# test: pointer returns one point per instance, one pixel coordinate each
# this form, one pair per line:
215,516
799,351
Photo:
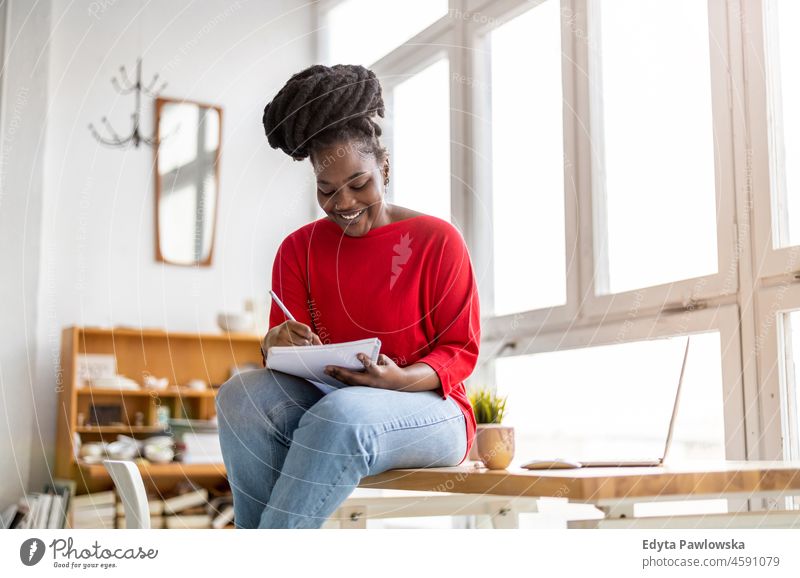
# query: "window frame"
684,292
723,319
773,262
773,274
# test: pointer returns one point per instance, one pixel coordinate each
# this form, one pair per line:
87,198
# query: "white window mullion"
577,281
746,242
461,142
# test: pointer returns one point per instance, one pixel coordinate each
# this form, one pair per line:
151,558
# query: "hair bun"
320,99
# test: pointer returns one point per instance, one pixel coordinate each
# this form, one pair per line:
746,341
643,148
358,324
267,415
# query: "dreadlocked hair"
321,106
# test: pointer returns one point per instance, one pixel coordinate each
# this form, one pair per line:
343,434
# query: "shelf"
181,356
156,471
162,333
155,393
120,429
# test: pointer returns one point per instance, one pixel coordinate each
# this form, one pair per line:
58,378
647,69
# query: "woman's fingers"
349,377
300,334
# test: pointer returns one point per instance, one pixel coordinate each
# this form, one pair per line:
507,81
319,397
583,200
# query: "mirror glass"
187,180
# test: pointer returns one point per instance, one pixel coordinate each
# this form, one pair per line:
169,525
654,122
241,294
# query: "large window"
623,170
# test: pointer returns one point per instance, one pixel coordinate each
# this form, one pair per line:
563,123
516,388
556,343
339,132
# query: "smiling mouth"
351,216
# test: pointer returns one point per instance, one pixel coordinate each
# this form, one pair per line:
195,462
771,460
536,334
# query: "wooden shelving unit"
159,471
179,356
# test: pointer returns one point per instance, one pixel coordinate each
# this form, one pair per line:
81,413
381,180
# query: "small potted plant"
494,442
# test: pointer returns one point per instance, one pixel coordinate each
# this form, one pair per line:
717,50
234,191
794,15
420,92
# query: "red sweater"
409,283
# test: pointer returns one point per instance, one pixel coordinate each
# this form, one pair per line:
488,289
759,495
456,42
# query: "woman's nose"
344,201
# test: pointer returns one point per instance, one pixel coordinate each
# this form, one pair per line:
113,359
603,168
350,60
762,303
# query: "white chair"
130,487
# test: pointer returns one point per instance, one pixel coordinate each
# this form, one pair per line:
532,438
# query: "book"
184,501
54,520
95,499
20,516
42,510
194,521
99,517
156,507
65,489
92,513
309,361
8,516
224,518
156,522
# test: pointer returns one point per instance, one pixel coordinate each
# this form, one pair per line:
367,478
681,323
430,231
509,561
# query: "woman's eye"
359,186
324,193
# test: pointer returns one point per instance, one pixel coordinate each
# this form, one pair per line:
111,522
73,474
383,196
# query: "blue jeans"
294,454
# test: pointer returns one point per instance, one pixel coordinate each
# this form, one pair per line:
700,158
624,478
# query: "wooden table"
611,493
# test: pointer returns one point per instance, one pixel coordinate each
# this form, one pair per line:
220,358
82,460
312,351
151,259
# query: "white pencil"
281,305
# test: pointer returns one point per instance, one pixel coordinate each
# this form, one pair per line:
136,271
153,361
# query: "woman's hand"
289,333
384,373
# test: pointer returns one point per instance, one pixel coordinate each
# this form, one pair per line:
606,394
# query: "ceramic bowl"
235,322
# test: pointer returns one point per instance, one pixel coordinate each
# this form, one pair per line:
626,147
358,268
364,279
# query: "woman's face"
350,188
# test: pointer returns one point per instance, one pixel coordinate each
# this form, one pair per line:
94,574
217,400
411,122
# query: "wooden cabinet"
178,356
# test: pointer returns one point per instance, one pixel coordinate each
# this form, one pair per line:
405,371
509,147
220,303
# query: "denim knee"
246,397
329,427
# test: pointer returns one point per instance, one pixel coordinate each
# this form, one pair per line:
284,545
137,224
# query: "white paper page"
309,361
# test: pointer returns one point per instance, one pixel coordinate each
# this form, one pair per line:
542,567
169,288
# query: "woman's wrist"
416,377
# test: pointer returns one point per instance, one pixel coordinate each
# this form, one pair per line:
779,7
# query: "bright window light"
615,401
786,134
527,162
657,141
360,32
421,141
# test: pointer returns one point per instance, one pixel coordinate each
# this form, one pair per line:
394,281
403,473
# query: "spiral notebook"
309,361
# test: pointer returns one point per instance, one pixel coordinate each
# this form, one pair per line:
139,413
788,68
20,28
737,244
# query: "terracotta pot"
495,443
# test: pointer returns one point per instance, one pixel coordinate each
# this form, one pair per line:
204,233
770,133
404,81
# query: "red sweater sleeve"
455,314
289,284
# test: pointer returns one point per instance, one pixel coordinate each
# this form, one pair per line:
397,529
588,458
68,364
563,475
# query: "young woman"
367,269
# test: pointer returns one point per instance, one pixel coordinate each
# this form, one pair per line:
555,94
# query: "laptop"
559,463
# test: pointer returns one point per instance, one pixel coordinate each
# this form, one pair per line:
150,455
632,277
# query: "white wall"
24,102
97,255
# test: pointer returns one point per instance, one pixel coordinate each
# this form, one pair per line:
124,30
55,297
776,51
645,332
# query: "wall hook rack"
124,85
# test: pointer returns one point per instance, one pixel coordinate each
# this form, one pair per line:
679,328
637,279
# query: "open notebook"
309,361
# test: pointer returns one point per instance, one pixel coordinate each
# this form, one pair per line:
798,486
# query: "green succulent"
487,405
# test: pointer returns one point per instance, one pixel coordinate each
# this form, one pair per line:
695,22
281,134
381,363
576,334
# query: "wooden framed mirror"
187,180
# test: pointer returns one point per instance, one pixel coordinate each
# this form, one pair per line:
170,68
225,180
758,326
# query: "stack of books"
42,510
201,448
97,510
156,513
221,510
186,510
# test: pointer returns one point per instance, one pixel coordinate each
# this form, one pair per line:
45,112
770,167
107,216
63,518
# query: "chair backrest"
130,487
